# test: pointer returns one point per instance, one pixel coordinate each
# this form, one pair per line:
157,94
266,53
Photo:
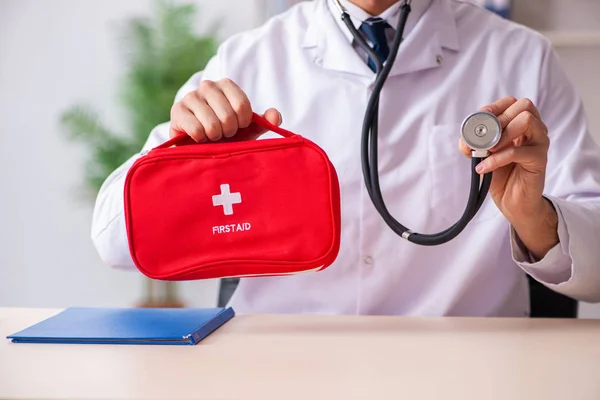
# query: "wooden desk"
318,357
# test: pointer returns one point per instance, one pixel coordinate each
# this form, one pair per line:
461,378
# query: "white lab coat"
455,59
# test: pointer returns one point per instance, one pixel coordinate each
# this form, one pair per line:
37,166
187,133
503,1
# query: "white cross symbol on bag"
226,199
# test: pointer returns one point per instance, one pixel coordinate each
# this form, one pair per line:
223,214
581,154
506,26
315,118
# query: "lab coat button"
439,58
319,61
368,260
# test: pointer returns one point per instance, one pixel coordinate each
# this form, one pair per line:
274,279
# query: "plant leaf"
161,54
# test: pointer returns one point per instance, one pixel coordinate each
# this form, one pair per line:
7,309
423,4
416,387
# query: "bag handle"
257,121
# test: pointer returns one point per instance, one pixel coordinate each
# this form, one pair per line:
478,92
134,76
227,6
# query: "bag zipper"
270,146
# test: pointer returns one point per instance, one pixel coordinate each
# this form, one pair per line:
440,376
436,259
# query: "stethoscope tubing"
479,186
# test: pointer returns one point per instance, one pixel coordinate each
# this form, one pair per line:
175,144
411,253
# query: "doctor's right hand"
216,110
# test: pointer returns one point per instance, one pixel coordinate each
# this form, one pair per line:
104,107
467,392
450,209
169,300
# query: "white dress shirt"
391,16
455,59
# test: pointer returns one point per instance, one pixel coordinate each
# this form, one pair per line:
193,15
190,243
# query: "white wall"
53,52
545,15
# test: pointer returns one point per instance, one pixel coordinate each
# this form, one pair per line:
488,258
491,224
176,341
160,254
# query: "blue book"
166,326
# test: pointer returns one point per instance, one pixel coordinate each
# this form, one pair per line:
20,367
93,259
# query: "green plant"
162,54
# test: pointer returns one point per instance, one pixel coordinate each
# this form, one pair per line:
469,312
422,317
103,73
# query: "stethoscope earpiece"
481,131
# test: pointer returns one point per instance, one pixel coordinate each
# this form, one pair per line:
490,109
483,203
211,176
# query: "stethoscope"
481,131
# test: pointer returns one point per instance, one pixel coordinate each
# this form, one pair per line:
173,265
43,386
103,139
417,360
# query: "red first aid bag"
233,209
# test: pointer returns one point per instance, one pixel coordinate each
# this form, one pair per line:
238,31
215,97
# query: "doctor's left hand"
518,163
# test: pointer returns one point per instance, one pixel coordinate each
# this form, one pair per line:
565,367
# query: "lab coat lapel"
421,49
329,47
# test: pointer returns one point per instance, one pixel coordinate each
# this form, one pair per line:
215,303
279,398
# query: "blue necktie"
374,30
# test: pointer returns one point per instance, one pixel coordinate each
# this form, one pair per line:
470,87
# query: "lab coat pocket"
450,176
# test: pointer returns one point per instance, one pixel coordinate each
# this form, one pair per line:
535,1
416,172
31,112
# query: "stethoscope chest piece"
481,131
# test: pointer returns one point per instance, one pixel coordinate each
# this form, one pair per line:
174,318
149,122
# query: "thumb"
254,131
463,148
273,116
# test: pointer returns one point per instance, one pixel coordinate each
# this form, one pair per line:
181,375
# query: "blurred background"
83,82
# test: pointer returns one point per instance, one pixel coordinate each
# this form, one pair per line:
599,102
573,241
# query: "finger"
517,108
273,116
518,141
254,131
205,114
525,129
239,102
463,148
217,101
531,159
498,107
183,120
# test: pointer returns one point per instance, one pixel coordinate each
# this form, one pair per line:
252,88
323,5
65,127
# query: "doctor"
302,69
